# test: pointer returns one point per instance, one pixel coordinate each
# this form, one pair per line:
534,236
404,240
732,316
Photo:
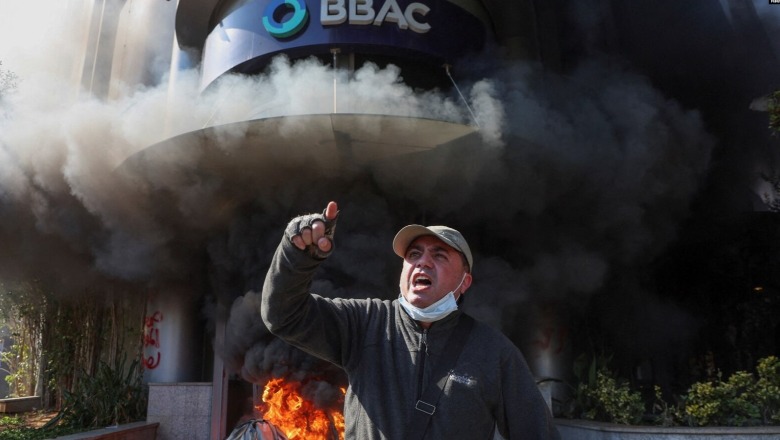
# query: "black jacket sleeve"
308,321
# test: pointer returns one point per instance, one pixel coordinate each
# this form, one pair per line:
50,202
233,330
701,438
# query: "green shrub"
27,433
767,389
722,403
663,413
739,401
744,399
15,428
11,422
609,399
112,396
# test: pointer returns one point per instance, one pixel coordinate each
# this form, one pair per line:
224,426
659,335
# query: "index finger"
331,210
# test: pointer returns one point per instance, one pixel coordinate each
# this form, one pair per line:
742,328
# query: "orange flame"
298,418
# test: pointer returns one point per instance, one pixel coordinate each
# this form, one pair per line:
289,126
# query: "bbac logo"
281,8
361,12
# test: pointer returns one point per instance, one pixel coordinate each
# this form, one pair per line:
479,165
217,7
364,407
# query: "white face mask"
436,311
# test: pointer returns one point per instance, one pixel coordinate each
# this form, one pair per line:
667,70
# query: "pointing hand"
314,232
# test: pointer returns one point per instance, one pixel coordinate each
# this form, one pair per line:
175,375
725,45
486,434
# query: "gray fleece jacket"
389,358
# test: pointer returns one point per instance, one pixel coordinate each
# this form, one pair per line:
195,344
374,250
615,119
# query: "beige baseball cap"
452,237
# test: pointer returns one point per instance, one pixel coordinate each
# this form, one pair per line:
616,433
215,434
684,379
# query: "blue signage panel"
258,29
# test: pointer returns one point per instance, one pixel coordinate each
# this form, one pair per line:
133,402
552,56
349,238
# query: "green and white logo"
279,10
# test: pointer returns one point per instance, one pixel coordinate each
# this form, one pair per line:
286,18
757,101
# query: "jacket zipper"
422,357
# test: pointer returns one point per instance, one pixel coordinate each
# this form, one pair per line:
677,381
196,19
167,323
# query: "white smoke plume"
62,142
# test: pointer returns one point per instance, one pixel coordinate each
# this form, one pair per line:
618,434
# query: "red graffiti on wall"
552,339
152,339
551,336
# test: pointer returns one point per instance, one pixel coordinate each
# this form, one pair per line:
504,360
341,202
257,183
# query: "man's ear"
466,283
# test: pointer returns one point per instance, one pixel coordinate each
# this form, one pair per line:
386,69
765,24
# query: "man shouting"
417,366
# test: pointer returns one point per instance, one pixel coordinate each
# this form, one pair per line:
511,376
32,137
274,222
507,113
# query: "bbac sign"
246,37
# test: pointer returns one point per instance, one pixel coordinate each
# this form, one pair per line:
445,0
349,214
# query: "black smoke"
596,172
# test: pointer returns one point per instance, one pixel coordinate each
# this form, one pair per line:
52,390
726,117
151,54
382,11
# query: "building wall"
182,409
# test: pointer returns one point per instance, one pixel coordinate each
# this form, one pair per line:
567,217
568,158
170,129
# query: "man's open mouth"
421,281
